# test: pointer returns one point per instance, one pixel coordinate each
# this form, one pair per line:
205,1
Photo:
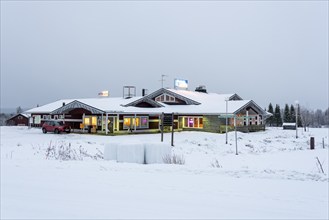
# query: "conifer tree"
277,116
19,110
270,119
292,113
286,114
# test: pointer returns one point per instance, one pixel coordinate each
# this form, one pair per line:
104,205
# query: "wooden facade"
18,120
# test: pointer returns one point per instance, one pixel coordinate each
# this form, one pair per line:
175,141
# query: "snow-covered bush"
64,151
174,159
216,164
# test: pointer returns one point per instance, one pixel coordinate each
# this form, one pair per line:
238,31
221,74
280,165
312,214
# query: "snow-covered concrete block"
130,153
110,151
155,152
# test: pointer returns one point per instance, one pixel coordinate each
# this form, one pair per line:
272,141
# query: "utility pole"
296,119
236,138
226,120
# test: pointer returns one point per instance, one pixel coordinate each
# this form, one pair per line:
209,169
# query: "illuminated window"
200,122
86,121
140,122
193,122
94,120
144,122
126,122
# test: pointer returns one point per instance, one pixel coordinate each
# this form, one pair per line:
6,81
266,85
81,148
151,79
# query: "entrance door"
112,124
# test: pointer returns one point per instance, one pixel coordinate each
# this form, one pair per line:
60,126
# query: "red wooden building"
18,120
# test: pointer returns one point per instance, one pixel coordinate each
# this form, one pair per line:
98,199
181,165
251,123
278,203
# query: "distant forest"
305,117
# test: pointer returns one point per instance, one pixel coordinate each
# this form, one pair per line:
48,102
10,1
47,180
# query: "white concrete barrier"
137,152
110,151
156,152
131,153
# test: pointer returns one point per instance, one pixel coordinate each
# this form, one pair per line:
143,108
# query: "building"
18,120
289,126
192,110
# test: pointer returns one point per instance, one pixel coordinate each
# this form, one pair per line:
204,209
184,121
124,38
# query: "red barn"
18,120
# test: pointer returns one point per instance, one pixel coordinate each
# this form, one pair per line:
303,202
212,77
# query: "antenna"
162,79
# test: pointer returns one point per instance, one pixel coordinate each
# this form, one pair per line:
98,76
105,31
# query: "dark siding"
211,123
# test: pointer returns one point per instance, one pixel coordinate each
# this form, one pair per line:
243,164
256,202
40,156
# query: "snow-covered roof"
24,115
201,96
207,103
289,124
49,107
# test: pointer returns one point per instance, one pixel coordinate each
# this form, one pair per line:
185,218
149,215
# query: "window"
20,117
193,122
86,121
55,117
144,122
131,121
165,98
46,117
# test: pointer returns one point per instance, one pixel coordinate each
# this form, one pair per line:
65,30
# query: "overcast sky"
266,51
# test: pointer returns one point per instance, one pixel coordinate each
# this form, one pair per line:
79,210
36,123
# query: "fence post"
323,143
312,143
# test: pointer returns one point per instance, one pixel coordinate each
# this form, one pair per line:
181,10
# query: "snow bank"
155,152
151,152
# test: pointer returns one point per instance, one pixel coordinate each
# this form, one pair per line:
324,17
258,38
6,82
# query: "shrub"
65,152
174,159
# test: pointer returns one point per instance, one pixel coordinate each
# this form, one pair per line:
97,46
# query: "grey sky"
266,51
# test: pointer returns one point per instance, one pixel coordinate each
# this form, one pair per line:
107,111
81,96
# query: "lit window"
144,122
139,122
86,121
93,120
126,122
193,122
136,122
200,122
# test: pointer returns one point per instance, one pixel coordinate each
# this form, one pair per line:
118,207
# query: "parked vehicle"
55,126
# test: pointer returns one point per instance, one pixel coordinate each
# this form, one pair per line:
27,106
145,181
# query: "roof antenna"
162,79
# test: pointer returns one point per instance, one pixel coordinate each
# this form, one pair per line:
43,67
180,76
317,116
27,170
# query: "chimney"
201,89
144,92
63,103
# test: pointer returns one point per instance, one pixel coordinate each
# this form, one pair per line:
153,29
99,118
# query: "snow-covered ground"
274,176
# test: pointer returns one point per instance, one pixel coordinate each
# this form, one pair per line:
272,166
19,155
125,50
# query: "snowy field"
274,176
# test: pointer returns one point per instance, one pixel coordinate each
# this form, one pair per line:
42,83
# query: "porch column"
106,123
117,122
247,118
135,123
102,122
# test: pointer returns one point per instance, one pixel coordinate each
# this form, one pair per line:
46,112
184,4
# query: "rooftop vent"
129,91
144,92
201,89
